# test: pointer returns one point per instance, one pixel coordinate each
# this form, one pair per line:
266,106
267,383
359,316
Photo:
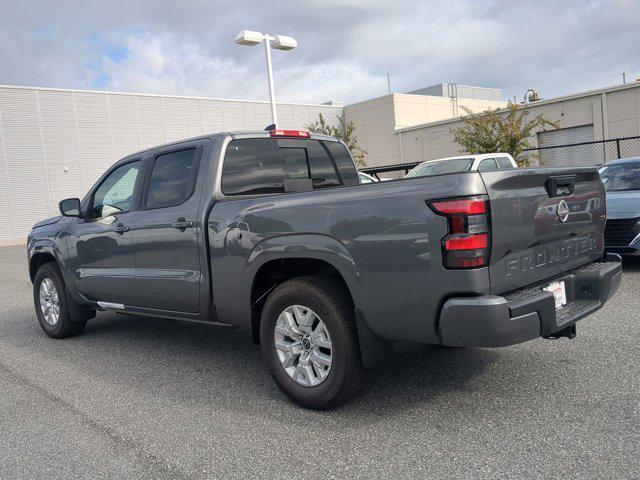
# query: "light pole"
279,42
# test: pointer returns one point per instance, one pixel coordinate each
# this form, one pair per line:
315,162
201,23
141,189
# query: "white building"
55,143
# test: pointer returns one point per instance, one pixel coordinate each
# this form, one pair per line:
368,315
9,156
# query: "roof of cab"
234,134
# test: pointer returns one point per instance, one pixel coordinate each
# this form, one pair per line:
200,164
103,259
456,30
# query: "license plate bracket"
559,291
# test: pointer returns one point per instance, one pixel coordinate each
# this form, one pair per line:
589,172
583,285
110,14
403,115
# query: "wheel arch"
51,250
279,260
37,260
294,253
273,272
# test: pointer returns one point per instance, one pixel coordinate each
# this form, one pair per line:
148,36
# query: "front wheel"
310,344
52,305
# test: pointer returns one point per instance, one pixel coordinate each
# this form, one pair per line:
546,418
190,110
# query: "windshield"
622,177
439,168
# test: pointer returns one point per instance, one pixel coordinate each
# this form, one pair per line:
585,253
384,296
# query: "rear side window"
487,165
172,179
343,161
261,165
504,163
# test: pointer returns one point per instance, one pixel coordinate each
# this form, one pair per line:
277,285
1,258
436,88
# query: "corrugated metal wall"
54,143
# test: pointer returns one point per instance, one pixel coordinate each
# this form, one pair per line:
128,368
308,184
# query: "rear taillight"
467,244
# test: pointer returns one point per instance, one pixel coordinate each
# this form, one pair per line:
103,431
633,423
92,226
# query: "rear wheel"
310,343
52,305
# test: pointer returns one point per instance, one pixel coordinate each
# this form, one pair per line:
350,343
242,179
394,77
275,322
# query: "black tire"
65,326
332,303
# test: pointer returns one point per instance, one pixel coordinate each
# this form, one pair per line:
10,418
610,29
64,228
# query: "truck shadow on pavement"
631,264
224,362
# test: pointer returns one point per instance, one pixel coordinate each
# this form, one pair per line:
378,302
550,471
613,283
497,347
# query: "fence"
568,155
584,153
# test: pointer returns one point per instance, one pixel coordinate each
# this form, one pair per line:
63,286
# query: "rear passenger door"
166,230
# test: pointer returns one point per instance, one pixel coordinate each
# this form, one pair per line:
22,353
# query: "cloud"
170,64
345,48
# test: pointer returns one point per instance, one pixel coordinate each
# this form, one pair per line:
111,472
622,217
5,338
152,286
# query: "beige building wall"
375,125
613,112
377,120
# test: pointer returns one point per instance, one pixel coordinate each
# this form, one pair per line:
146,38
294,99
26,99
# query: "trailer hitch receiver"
568,332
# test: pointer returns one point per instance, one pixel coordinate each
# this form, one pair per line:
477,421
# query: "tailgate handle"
561,186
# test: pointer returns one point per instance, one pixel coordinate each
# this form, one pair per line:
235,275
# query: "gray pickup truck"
272,231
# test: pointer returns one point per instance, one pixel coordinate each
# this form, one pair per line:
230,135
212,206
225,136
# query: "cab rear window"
261,165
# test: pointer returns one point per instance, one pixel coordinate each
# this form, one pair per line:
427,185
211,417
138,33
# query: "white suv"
464,163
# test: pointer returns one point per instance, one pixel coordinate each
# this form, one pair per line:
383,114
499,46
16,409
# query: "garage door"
577,155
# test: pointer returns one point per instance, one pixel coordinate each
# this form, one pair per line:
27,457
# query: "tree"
493,131
345,131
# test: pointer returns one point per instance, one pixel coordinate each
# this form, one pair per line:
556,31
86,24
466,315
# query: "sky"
344,48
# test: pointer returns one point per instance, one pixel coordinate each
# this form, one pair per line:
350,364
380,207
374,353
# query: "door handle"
181,224
121,228
561,185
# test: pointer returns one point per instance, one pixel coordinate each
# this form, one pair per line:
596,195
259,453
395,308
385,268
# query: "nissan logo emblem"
563,211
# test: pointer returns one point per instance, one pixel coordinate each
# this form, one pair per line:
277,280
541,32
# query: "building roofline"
457,85
24,87
371,99
563,98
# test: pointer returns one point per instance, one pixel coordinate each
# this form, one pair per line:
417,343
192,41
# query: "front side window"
115,194
172,178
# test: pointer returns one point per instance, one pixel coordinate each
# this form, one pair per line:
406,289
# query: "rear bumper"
528,313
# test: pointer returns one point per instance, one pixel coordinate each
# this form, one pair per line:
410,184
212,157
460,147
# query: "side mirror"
70,207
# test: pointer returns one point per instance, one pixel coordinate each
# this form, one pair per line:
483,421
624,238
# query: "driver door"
100,243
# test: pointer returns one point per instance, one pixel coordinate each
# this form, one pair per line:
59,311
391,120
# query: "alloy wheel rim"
303,345
49,301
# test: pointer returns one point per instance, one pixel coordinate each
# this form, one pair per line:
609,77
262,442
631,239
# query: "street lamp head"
279,42
247,37
282,42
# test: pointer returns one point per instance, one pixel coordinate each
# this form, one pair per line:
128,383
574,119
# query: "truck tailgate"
543,223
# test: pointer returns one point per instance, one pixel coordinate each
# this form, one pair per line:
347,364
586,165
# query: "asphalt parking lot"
138,397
